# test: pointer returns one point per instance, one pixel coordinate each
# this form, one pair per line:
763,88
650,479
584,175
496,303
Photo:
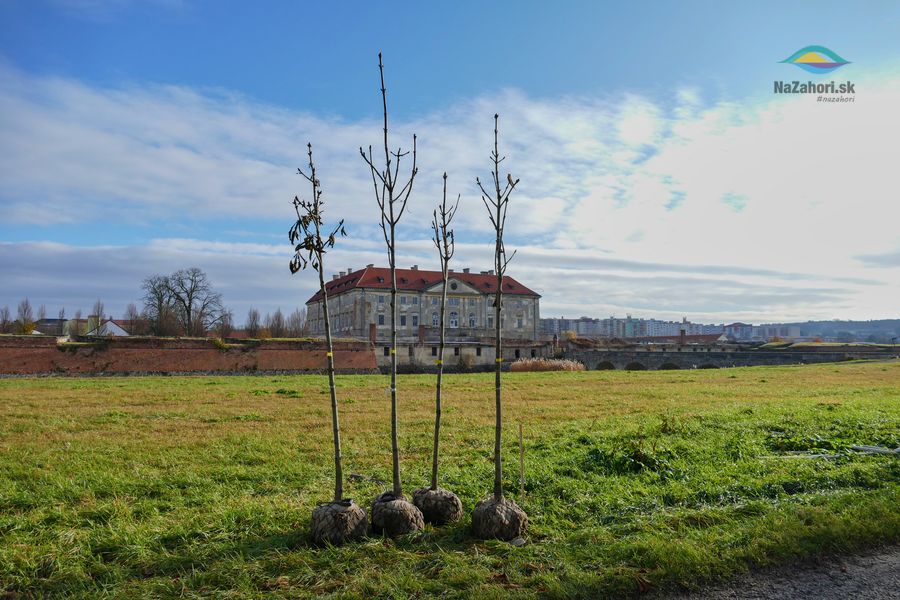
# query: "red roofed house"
359,305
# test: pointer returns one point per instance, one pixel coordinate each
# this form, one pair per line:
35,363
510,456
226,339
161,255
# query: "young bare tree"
440,506
498,517
391,512
61,322
42,313
340,520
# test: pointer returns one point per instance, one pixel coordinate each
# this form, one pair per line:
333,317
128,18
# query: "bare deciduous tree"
197,307
24,317
226,324
391,513
498,517
75,325
96,321
5,322
275,323
133,320
440,506
340,520
251,325
296,323
42,313
61,322
158,306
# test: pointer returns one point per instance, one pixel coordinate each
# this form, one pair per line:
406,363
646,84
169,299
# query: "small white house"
109,328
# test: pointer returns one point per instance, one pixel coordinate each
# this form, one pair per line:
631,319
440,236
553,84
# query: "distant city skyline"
660,173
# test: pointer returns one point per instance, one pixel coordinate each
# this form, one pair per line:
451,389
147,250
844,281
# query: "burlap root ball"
498,519
438,506
338,522
395,515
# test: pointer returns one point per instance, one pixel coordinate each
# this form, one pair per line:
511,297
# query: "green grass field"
203,486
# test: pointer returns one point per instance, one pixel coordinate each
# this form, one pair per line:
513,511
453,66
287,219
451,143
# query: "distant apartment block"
627,328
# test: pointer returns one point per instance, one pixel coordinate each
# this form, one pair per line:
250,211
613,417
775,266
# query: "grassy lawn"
203,486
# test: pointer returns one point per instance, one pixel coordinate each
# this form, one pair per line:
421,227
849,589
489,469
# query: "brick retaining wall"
40,355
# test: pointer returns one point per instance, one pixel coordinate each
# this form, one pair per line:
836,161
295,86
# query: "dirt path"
872,576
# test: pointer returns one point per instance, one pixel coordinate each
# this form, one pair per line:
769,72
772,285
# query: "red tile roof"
417,280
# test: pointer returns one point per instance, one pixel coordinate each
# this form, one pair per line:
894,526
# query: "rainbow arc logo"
816,59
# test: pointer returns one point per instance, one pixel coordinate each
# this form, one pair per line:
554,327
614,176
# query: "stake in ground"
149,487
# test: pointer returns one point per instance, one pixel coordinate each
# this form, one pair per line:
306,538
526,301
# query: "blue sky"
660,175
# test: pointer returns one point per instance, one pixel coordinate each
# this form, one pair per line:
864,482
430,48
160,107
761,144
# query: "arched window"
473,322
454,319
434,320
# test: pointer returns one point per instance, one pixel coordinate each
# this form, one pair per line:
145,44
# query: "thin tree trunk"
440,373
335,425
498,427
395,446
498,344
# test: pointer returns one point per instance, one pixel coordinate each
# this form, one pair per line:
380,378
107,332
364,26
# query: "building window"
402,320
434,320
380,299
415,300
409,350
490,322
533,353
402,299
518,353
415,320
381,319
434,350
473,322
454,319
434,301
387,351
478,351
519,322
471,301
456,351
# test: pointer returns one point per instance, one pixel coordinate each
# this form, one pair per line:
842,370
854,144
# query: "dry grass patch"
525,365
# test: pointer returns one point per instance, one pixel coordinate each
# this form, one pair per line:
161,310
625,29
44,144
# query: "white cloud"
759,209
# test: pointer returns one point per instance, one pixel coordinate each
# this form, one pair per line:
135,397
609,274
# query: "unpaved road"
871,576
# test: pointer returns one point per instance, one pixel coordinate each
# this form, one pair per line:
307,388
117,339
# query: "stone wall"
711,358
40,355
